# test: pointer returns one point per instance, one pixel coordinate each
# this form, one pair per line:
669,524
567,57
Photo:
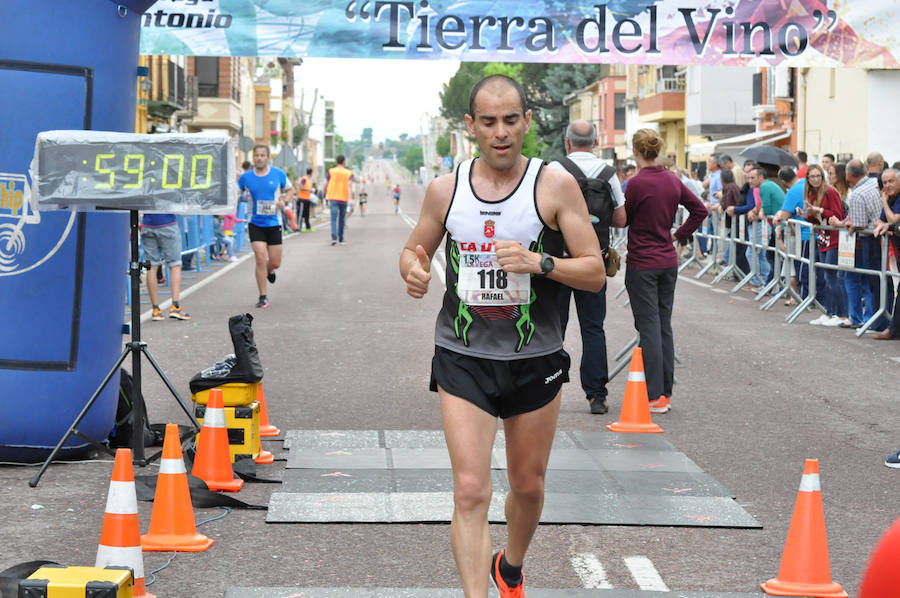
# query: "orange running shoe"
517,591
661,405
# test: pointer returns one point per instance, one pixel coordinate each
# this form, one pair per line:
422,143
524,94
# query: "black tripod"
135,348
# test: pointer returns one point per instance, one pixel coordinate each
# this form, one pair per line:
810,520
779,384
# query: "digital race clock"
190,173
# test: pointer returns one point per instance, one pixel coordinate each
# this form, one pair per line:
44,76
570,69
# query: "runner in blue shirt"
270,191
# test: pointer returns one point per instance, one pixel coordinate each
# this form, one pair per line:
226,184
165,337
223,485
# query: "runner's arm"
415,259
585,269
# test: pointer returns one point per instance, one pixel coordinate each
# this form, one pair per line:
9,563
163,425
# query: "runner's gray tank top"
501,332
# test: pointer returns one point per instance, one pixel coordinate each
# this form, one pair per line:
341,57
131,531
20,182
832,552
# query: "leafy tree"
412,160
442,145
366,137
455,93
560,80
339,144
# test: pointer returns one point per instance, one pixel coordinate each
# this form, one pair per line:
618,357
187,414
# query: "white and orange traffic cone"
172,524
805,569
120,539
265,428
635,414
212,463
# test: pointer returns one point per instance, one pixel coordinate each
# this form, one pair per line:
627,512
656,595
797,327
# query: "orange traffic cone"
172,520
265,457
805,569
635,414
265,428
120,539
212,463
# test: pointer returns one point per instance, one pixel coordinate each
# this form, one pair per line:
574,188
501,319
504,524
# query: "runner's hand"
419,274
515,259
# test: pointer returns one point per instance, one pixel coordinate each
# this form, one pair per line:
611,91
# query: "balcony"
666,104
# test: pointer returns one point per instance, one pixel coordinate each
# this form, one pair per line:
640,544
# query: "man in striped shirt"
865,208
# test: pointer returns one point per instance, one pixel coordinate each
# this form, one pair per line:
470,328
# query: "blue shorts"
162,245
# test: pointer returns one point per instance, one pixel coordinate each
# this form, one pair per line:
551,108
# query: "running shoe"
893,461
178,313
833,322
157,314
271,277
262,303
820,320
334,241
661,405
506,591
342,243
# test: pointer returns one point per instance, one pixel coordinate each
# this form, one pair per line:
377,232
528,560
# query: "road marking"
590,571
645,574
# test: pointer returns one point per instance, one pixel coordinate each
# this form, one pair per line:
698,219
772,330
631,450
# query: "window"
619,114
207,70
757,89
259,122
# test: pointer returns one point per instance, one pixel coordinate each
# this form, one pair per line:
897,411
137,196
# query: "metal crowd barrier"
783,263
735,239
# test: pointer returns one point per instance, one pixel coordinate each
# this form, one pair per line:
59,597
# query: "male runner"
270,189
498,341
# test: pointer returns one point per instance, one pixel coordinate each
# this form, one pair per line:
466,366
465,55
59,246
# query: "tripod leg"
171,388
72,428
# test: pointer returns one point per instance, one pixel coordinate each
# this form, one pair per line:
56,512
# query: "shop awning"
734,145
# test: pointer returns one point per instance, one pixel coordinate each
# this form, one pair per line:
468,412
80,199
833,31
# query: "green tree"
559,81
412,160
338,144
366,137
442,145
455,93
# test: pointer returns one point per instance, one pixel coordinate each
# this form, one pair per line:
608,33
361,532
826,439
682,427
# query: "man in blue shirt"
270,191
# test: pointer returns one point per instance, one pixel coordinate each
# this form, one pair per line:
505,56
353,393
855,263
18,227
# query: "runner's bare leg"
470,435
529,438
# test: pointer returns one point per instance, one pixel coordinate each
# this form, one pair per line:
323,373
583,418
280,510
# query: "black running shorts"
499,387
270,235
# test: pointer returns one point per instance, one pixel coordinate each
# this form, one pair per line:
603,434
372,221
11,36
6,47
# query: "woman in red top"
821,201
651,200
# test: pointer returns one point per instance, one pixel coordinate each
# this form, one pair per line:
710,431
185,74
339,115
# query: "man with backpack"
606,205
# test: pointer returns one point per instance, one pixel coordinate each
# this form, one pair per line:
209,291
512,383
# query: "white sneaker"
820,320
833,322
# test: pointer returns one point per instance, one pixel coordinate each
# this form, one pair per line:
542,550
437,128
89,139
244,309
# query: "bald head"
495,85
581,134
875,162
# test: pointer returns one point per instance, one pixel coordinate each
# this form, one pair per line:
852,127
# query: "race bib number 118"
483,282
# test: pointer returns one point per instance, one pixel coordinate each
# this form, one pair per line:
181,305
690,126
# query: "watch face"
547,264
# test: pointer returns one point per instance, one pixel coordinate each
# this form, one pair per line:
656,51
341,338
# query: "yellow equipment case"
242,423
59,581
233,394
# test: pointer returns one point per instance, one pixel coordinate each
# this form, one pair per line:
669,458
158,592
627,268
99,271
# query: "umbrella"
769,154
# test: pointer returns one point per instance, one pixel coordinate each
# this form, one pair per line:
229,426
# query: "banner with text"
723,32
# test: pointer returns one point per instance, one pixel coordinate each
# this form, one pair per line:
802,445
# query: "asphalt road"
345,348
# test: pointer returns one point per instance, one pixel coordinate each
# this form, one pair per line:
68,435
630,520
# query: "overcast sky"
391,96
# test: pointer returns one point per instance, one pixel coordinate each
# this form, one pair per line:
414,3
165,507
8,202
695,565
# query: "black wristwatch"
547,264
